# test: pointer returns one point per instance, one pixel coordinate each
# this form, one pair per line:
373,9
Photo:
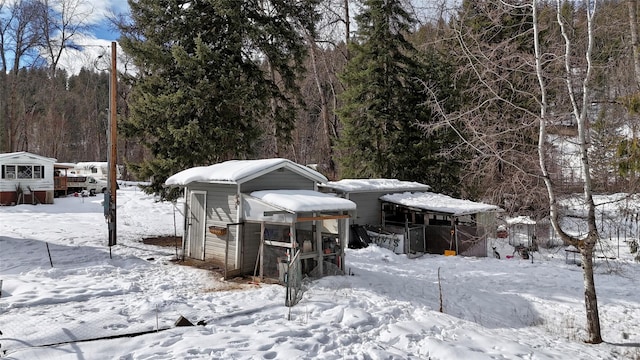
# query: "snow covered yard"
388,308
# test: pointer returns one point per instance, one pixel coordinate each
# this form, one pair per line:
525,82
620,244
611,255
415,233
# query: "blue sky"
105,31
98,13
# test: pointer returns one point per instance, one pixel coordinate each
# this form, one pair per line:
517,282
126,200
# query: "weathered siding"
221,210
41,189
369,208
486,223
36,197
278,180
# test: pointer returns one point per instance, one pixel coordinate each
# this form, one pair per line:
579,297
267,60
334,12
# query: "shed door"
197,223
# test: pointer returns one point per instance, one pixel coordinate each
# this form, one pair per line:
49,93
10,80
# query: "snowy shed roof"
239,171
439,203
304,200
291,202
375,185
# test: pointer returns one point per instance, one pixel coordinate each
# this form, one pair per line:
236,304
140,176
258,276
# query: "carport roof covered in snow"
281,205
374,185
239,171
439,203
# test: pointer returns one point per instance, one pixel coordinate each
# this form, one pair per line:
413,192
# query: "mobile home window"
25,172
38,172
8,171
22,172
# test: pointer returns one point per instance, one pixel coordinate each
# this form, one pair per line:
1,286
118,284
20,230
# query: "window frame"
17,171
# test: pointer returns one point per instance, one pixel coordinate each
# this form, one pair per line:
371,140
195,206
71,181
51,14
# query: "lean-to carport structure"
446,223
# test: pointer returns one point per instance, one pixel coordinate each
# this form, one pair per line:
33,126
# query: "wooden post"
113,153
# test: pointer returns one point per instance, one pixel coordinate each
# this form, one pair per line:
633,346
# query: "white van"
88,183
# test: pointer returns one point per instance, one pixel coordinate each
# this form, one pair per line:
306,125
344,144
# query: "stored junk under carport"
448,224
252,217
406,218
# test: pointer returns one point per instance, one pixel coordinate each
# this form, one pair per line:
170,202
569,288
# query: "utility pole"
112,153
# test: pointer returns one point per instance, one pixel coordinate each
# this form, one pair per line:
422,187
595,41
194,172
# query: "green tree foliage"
383,104
202,88
628,152
606,143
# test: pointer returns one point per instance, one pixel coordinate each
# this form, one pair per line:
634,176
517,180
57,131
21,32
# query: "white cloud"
90,12
95,55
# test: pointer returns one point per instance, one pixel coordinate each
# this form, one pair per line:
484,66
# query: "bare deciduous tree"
562,67
20,36
61,21
577,88
318,128
633,29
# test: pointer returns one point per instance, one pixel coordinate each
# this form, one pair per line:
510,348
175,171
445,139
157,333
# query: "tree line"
445,96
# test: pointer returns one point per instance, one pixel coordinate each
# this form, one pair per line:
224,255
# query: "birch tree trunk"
633,28
579,105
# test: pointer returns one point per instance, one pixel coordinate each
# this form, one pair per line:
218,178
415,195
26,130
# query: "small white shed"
250,215
26,178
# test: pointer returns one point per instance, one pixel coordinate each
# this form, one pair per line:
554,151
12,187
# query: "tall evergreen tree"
383,105
202,86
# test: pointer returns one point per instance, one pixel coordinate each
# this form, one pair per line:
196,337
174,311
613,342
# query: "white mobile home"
26,178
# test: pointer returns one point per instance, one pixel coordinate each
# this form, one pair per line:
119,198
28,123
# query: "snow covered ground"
388,308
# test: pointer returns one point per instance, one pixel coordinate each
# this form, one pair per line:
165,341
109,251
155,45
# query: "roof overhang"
240,171
24,154
439,203
286,206
374,186
63,166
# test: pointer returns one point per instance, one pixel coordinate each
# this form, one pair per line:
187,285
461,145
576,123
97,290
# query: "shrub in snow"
633,246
